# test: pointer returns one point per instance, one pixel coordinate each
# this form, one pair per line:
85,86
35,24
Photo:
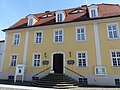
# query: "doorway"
58,63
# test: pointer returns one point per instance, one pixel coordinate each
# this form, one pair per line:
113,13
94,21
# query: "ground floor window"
13,60
83,81
82,59
36,60
115,57
117,82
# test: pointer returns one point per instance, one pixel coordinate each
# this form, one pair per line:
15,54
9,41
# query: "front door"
58,63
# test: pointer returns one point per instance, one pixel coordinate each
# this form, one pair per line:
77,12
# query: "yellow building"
83,40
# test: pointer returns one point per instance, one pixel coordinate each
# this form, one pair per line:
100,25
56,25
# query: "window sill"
57,42
35,67
100,74
37,43
80,41
113,38
82,67
15,45
116,67
12,66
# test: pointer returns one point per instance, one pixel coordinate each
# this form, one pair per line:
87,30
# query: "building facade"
1,54
83,40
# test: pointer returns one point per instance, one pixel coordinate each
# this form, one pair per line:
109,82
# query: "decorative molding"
25,48
97,44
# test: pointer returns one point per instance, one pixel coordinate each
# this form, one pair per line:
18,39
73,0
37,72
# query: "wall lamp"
45,54
70,54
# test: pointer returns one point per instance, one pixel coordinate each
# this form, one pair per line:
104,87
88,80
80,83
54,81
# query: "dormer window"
93,11
77,11
60,16
31,20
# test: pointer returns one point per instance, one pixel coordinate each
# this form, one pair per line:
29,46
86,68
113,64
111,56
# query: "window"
16,39
115,57
59,17
38,37
100,70
112,31
36,60
93,13
58,35
30,22
117,82
13,60
80,34
83,81
82,59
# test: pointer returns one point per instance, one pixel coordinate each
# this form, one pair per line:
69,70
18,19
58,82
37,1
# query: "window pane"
82,37
78,36
78,30
114,27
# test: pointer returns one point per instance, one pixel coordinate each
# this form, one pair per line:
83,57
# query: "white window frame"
14,39
11,60
93,7
86,59
111,58
58,13
109,24
100,67
36,36
80,27
33,60
60,29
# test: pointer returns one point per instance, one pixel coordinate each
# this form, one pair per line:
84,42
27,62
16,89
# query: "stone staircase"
59,81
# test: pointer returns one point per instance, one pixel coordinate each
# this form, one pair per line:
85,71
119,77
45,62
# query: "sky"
13,10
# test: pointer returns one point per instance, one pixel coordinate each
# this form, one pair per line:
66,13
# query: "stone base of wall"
106,80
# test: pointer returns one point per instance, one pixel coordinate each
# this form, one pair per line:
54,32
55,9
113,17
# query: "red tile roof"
104,10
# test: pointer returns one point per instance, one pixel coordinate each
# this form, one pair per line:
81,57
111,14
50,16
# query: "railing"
41,71
75,72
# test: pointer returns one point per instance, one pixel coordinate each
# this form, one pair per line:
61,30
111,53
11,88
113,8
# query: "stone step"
65,87
56,81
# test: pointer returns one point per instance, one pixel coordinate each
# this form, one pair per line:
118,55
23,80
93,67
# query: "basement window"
10,77
100,70
117,82
83,81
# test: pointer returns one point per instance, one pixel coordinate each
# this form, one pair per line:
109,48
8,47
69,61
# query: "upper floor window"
112,31
93,11
115,57
80,34
13,60
16,39
38,37
60,16
58,35
82,59
30,22
36,60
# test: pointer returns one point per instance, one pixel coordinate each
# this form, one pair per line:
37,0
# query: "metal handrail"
75,72
41,71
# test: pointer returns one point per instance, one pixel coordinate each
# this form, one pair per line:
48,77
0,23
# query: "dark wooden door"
58,63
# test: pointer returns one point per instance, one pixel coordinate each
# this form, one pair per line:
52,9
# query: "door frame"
63,60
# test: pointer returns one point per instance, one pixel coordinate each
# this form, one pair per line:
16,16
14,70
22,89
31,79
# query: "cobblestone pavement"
14,87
